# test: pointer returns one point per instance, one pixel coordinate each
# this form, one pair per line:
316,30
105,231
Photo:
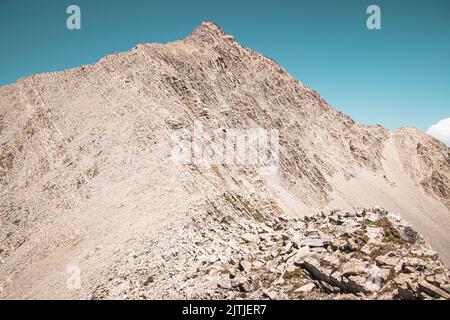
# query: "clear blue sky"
396,76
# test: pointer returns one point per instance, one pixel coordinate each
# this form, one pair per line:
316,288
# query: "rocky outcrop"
367,254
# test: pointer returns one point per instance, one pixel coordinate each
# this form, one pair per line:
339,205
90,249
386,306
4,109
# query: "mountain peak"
207,30
204,139
208,26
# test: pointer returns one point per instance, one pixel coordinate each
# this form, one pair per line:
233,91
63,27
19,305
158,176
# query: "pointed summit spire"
208,26
208,31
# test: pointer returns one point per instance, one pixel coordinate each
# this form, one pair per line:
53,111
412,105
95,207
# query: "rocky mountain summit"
91,195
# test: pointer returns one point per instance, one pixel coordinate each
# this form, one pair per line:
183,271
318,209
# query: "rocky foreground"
367,254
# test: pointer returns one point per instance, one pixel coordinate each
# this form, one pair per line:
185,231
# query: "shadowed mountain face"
87,174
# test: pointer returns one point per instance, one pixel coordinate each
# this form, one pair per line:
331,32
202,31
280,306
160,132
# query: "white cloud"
441,131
